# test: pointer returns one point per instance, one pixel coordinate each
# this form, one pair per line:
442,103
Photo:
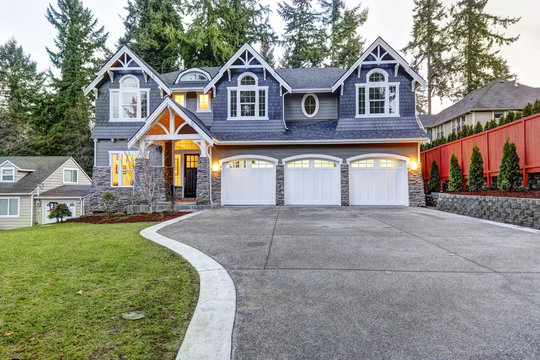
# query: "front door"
190,175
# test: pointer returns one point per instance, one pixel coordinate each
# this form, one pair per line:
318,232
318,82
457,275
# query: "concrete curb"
209,333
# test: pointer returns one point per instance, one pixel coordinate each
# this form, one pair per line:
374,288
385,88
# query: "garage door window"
363,164
390,163
299,164
241,164
257,164
324,164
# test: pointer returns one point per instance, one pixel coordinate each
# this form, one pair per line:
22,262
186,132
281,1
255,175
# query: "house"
248,134
480,106
30,186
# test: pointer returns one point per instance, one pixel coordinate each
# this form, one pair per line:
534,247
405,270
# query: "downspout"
283,109
31,209
95,152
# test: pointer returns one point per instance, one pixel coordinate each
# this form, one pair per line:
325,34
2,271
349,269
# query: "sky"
390,19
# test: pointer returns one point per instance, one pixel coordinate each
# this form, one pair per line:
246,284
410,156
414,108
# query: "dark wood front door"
190,175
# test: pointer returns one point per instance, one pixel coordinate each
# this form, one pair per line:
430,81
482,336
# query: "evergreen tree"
476,171
154,31
434,183
428,45
528,109
21,89
509,177
79,44
345,43
268,41
478,128
536,106
455,179
474,37
305,36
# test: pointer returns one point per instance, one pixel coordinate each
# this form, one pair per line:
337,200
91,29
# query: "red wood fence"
524,132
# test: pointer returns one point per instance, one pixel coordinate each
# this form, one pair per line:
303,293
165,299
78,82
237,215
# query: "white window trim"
316,105
247,73
194,71
120,153
209,102
125,89
18,207
185,97
2,174
247,88
367,85
64,176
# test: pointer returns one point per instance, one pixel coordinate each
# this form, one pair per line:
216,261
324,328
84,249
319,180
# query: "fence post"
525,173
488,175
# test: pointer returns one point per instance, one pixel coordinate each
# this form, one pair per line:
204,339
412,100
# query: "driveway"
373,283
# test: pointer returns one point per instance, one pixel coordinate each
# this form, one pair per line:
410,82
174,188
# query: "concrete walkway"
373,283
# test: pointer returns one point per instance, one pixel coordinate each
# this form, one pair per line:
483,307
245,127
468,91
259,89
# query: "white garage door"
248,182
48,205
312,182
378,182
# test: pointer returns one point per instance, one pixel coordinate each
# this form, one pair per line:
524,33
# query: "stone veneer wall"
216,187
280,184
203,181
517,211
417,196
345,198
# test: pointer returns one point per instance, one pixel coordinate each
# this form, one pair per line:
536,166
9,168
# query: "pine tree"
345,43
305,36
428,46
476,171
79,44
434,183
478,128
268,41
509,176
154,31
474,37
536,106
455,179
528,109
21,89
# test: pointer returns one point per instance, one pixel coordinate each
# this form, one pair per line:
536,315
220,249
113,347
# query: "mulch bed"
531,194
133,218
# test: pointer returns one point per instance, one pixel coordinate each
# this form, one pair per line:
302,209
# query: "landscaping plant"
107,200
434,183
476,171
60,211
478,128
509,177
455,180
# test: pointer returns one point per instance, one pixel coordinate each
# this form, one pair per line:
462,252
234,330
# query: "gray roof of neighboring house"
44,167
499,94
69,191
427,120
311,78
107,130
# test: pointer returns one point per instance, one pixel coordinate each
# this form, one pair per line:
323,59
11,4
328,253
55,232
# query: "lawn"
64,288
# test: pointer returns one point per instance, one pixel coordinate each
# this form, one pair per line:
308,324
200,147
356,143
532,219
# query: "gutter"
337,141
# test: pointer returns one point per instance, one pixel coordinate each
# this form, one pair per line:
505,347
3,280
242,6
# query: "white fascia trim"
190,70
248,157
312,156
168,102
378,155
260,59
185,89
125,50
15,166
314,90
346,141
391,51
59,197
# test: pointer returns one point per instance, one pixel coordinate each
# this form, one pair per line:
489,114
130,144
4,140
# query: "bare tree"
149,175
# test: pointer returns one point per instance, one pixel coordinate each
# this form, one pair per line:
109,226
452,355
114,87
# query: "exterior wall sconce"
215,167
414,165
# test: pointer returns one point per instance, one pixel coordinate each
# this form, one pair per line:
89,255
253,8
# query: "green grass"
42,316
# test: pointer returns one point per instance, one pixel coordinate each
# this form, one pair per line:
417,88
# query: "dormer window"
129,102
377,97
248,100
194,76
7,175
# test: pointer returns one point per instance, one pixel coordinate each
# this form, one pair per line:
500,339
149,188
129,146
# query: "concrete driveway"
373,283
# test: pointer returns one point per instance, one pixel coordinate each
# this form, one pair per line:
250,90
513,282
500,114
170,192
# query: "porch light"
215,167
414,165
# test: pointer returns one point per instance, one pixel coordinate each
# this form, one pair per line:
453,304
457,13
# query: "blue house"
248,134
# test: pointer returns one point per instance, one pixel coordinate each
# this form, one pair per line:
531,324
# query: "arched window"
194,76
129,102
310,105
377,97
248,101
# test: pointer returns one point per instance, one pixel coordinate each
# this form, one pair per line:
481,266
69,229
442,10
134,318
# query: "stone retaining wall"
517,211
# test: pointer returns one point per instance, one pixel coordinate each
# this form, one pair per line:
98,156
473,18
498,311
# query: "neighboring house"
248,134
480,106
30,186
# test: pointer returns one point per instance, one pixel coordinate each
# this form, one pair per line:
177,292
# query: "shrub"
528,109
518,116
478,128
511,116
60,211
107,200
476,171
453,136
434,182
536,106
442,140
509,176
455,180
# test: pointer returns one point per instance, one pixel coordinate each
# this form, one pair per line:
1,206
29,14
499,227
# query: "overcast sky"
390,19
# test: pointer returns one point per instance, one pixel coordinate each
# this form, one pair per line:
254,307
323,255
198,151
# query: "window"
497,115
248,101
324,164
377,97
389,163
180,98
298,164
129,102
71,175
194,76
177,169
9,207
7,175
240,164
310,105
203,102
122,169
258,164
363,164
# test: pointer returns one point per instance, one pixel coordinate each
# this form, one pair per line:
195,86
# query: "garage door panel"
248,182
312,182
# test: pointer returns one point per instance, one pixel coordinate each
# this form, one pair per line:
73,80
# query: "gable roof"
391,52
44,166
499,94
68,191
20,163
143,65
256,55
302,79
